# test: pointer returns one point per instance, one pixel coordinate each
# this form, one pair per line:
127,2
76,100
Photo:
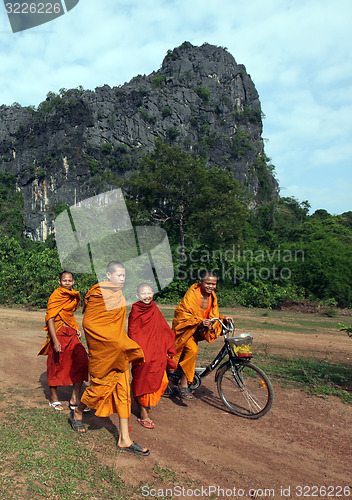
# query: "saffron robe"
110,351
69,366
148,327
187,319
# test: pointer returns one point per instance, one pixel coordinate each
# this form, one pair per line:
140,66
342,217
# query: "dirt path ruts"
303,441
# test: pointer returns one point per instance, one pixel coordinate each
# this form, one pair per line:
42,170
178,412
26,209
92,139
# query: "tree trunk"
182,235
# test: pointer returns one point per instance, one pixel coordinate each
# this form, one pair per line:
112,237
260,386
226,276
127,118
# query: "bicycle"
243,387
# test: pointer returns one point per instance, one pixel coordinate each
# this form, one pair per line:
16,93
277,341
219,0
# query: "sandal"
135,448
73,407
148,424
77,425
56,405
185,393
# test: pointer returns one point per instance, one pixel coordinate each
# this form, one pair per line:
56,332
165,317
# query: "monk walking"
110,352
148,327
192,323
67,358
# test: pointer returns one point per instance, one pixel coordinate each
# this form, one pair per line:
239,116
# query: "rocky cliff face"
75,143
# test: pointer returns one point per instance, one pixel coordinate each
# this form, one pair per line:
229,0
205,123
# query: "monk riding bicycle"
192,324
243,387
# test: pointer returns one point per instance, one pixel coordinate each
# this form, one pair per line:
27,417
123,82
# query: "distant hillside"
76,143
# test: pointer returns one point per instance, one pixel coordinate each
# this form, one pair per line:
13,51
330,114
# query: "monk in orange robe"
192,323
67,358
110,352
148,327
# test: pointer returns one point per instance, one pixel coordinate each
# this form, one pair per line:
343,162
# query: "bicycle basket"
241,345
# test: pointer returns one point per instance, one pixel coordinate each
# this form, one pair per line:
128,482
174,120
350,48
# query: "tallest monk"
110,352
192,323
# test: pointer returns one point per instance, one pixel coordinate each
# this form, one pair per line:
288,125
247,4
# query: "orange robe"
188,316
110,351
71,364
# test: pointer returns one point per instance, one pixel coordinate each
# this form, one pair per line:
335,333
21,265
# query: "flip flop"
77,425
56,405
73,407
148,424
135,448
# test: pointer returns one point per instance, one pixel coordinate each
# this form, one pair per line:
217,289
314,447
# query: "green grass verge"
40,457
266,325
316,376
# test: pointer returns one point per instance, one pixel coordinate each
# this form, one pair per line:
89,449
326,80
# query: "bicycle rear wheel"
247,392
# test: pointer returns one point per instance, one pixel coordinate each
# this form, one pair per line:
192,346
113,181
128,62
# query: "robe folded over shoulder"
61,306
110,351
148,327
69,366
109,346
189,315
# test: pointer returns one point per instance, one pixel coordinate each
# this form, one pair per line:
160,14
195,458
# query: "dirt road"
301,447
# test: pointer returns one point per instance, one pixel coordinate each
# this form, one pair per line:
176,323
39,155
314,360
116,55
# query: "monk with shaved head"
67,362
192,323
110,353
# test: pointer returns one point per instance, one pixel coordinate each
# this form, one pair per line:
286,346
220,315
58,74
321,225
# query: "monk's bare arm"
52,333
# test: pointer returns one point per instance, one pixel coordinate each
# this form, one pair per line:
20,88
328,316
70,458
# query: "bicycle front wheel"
246,391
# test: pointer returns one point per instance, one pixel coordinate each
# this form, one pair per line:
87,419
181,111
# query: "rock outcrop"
74,143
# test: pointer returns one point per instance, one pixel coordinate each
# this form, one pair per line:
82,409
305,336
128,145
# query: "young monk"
110,352
147,327
192,323
67,358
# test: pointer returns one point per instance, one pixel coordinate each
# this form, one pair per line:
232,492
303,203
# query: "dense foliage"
11,203
263,257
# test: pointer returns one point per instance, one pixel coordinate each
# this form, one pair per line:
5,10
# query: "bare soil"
300,447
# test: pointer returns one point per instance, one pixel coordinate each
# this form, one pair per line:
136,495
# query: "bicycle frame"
247,392
216,361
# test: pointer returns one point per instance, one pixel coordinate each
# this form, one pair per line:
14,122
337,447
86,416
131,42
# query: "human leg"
125,443
54,401
188,362
144,418
78,411
76,418
75,396
144,412
53,393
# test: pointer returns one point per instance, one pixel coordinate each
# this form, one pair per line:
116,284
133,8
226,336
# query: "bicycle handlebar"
229,328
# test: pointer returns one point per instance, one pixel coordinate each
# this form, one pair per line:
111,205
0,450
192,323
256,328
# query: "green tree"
327,268
11,204
176,189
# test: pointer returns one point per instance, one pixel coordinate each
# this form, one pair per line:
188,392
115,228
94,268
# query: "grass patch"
277,327
40,457
315,376
164,474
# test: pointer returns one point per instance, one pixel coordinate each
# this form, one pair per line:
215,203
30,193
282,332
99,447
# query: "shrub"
203,93
166,111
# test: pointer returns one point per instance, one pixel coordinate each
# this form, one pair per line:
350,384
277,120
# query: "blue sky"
298,53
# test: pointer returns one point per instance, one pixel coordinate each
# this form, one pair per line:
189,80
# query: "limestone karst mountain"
75,142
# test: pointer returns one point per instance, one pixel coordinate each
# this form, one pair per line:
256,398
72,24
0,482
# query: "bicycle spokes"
245,390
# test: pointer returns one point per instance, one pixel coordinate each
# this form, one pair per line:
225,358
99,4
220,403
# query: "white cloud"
298,54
